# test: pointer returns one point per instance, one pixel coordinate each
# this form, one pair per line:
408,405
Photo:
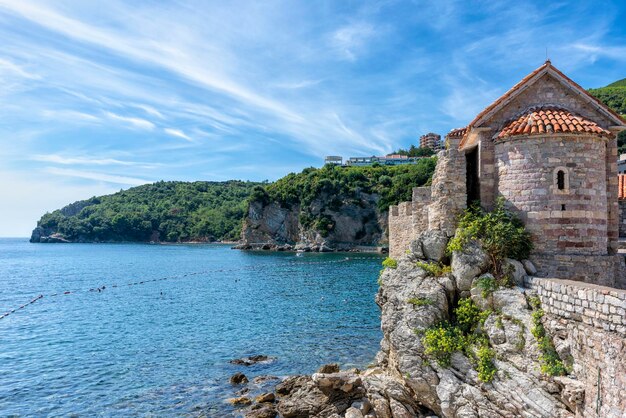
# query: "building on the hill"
333,160
432,141
549,149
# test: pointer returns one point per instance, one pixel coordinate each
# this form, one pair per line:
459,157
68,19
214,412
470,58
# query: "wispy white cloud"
177,133
351,40
10,68
65,160
133,121
91,175
69,116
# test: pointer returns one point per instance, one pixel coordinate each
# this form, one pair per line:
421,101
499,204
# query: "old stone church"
549,148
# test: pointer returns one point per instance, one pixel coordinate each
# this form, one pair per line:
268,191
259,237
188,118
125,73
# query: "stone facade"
568,221
588,322
622,218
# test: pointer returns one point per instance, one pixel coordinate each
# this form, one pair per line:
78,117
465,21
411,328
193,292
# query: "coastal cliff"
455,345
332,208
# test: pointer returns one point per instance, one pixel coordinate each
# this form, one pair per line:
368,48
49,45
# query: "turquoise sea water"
161,347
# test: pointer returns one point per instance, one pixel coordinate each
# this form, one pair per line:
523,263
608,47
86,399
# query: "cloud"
177,133
8,67
351,40
102,177
63,160
593,52
69,116
135,122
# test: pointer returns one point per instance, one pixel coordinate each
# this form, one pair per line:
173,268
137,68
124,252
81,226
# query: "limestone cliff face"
328,223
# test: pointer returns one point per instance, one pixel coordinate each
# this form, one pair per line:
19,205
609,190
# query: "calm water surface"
161,347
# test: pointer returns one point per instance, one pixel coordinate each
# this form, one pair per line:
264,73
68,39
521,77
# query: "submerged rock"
249,361
238,379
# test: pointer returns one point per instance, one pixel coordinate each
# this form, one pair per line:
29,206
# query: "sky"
101,96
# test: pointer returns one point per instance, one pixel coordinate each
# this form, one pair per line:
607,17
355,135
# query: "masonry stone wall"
606,270
448,191
569,221
622,218
591,321
400,228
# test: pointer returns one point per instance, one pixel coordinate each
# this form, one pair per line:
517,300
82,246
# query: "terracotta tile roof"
457,133
544,120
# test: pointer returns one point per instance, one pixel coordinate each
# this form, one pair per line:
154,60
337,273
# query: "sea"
150,330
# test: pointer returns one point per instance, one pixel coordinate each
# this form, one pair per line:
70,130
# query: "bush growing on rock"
500,233
434,269
463,334
390,263
551,364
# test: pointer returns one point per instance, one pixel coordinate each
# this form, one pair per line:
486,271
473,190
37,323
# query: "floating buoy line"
104,287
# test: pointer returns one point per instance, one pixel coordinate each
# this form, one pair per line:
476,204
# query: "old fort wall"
591,321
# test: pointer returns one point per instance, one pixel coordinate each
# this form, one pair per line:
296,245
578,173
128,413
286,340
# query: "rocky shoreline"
310,248
406,382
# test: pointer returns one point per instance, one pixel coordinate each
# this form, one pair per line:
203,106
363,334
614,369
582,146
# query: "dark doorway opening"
473,185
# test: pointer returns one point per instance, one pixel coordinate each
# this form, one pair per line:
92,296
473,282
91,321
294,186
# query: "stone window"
560,183
560,180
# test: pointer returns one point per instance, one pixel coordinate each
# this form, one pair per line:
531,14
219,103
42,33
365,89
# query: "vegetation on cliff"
332,183
613,95
163,211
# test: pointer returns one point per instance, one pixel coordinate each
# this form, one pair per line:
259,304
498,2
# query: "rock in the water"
265,412
468,264
241,401
329,368
238,379
266,398
264,378
249,361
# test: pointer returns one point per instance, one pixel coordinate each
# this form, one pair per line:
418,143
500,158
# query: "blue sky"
99,96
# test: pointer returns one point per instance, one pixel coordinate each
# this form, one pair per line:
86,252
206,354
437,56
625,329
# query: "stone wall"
400,228
448,190
622,218
605,270
591,321
569,221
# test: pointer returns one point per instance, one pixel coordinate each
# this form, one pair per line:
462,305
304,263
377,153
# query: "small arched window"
560,180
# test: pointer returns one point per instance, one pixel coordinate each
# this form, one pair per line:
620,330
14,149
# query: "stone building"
432,141
549,148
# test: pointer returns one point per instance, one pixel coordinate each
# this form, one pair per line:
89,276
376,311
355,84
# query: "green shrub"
442,340
420,301
500,233
390,263
469,316
487,285
551,364
485,367
434,269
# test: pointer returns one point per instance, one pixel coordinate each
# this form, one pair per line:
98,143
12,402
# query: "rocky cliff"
344,225
515,360
331,208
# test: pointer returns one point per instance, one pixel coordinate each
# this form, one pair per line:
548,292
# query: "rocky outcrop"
329,223
406,382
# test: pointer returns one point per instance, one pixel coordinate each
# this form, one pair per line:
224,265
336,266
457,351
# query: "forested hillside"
162,211
341,207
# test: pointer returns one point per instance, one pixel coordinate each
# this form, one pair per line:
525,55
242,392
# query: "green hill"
613,95
163,211
620,83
